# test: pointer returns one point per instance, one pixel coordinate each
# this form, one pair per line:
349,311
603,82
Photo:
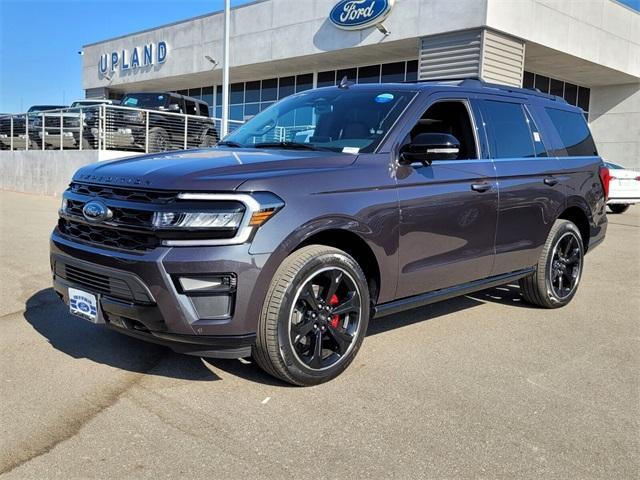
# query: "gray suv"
327,209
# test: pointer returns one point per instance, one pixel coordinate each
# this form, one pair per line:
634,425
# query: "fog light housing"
211,296
207,284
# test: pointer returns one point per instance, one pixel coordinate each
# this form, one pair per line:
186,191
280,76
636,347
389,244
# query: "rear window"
574,133
510,133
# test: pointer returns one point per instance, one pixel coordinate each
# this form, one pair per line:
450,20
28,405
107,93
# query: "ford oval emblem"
95,211
360,14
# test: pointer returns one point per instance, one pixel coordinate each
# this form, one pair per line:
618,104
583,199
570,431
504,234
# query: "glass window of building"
269,90
304,82
287,87
327,79
573,94
370,74
350,73
393,72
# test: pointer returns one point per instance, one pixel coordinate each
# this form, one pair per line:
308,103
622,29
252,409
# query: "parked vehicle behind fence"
18,132
133,128
75,120
374,199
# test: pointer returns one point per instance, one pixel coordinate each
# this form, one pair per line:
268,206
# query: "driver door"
448,209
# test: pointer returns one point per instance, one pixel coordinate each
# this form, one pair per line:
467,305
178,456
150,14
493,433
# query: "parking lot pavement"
482,386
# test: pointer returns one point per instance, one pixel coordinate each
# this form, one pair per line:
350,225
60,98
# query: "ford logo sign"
95,211
360,14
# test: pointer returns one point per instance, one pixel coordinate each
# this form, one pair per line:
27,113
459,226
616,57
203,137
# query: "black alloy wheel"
566,265
314,317
325,318
558,272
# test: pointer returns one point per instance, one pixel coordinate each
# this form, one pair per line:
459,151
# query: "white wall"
614,117
273,30
603,32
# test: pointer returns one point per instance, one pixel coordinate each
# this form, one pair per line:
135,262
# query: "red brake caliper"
335,319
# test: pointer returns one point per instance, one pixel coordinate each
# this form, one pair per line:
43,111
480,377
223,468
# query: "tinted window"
538,141
204,109
146,100
509,130
450,117
574,133
191,107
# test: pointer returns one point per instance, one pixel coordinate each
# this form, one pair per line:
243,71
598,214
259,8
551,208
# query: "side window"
509,130
177,101
538,141
191,107
204,109
450,117
574,133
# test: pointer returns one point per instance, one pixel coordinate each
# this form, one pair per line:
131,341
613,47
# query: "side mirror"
427,147
174,107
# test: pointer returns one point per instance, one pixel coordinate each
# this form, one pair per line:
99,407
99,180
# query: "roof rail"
477,82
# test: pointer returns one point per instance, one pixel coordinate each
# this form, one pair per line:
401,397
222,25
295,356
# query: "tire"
209,140
560,264
86,144
287,331
618,207
159,140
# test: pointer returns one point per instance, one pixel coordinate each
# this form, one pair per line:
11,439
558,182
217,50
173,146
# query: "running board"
423,299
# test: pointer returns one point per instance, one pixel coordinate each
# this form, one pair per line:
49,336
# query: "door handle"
480,187
551,181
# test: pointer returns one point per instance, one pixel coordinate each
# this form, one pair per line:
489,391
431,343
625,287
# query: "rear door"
531,194
448,209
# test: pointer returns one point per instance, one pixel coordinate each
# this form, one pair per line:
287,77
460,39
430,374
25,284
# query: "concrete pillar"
614,117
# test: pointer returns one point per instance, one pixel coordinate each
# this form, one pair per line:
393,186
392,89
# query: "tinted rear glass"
574,133
509,129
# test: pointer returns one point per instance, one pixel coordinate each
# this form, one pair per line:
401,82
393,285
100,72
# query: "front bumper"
138,293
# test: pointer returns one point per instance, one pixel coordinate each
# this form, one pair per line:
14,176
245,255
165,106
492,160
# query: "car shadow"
80,339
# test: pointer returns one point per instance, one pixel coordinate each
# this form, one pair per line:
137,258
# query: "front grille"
115,193
130,227
98,283
123,216
121,286
108,237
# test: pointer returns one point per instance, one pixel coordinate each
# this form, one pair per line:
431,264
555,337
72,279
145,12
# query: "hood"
213,169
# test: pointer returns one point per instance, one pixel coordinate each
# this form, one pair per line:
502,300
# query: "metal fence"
108,127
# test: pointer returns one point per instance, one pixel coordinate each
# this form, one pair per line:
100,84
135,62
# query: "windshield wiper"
229,144
291,145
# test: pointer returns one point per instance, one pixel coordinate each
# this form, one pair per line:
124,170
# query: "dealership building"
587,51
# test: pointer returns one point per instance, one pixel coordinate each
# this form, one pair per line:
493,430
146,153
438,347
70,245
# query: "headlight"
198,219
63,205
238,215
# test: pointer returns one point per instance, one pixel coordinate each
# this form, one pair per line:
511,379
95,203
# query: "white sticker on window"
351,150
536,136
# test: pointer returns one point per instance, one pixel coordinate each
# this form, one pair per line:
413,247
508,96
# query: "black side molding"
423,299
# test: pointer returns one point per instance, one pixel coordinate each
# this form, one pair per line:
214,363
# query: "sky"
39,41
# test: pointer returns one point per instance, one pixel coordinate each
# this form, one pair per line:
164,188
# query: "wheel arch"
356,246
579,217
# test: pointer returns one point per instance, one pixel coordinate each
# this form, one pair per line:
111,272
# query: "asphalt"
482,386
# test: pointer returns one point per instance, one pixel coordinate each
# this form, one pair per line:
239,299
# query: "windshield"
342,120
145,100
43,108
86,104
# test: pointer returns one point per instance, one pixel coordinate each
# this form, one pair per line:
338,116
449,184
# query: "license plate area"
84,305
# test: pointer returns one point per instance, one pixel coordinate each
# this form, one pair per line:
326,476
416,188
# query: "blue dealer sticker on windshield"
384,98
